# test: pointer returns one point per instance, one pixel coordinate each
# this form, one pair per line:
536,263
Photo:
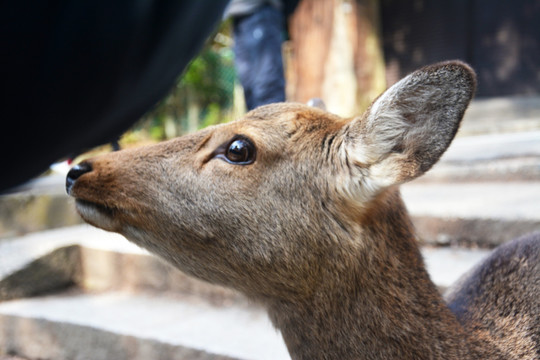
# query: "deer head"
275,204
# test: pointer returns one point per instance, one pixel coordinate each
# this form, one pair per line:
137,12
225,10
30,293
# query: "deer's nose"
76,172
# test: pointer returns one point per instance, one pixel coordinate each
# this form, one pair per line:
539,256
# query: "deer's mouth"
97,214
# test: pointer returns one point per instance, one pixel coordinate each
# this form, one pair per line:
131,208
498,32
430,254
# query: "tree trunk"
336,54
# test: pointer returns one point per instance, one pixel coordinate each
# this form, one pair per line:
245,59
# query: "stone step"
502,114
493,146
40,205
135,326
487,158
11,357
509,169
94,260
473,214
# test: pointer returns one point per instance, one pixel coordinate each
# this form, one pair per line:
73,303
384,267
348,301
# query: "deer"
300,210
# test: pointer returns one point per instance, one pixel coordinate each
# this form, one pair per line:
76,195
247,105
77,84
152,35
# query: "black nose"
76,172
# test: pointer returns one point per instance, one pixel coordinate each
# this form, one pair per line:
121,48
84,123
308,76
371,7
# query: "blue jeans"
259,65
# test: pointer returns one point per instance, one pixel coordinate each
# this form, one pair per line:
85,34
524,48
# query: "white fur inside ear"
389,171
382,101
357,183
362,184
385,124
357,189
384,128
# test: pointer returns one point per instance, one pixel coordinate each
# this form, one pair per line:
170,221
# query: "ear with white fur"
408,128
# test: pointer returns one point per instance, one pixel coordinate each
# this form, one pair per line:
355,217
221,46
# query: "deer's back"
499,300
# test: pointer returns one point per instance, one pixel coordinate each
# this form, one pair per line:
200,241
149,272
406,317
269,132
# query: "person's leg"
269,82
258,40
244,57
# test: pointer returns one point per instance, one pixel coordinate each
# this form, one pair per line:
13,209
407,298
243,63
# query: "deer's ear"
408,128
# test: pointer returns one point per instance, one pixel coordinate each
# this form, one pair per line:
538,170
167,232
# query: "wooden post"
336,54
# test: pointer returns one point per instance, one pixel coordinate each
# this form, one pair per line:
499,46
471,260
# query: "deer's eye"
240,151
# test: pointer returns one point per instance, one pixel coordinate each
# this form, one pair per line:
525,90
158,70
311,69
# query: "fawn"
300,210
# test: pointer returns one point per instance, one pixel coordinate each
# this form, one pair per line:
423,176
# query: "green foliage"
210,78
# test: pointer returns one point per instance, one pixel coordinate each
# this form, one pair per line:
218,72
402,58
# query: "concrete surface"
42,339
236,332
493,146
487,158
53,272
53,184
27,212
520,169
17,252
446,265
473,214
11,357
503,114
508,201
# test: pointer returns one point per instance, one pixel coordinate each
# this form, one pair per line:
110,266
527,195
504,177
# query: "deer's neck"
378,306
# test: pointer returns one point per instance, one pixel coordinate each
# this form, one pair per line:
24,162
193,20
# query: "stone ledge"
54,271
471,233
130,326
36,338
94,260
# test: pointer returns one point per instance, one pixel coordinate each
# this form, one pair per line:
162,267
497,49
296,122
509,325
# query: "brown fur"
314,228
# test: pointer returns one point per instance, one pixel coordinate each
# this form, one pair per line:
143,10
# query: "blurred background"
70,291
348,52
